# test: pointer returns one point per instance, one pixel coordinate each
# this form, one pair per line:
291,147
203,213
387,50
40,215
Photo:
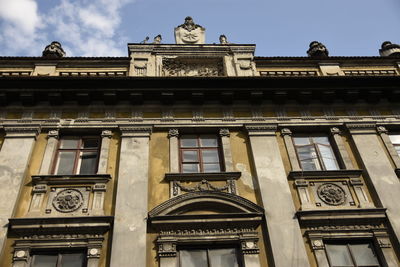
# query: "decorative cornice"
132,131
209,176
325,174
261,129
23,131
361,128
71,179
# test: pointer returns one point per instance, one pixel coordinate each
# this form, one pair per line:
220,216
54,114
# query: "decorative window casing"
331,190
367,227
77,155
183,224
352,253
58,258
391,141
210,257
77,195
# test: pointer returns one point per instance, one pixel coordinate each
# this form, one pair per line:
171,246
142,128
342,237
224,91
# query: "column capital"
173,133
224,132
335,130
261,129
286,131
53,134
135,131
22,131
381,130
106,133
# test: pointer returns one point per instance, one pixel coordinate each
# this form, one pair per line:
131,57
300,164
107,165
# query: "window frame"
78,150
199,149
59,253
348,243
318,157
238,253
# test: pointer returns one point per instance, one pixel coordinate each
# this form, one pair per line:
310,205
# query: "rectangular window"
315,153
199,153
361,254
77,156
224,257
395,139
56,259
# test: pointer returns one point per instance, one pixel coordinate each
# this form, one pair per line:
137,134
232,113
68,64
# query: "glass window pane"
306,152
44,260
72,260
211,167
210,156
188,141
395,139
189,168
301,140
69,143
223,257
65,162
208,141
193,258
328,157
364,254
91,143
397,147
339,255
88,163
309,165
190,156
321,140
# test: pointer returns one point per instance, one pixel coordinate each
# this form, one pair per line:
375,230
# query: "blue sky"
278,28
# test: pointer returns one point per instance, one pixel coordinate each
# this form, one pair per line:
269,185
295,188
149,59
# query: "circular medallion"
20,254
331,194
93,251
68,200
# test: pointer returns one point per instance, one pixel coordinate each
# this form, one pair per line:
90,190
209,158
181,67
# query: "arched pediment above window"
207,208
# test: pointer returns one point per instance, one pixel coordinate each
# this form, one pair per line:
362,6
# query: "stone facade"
191,147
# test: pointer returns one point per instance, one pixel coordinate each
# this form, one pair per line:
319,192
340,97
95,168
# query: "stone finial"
189,33
53,50
223,40
317,49
145,40
389,50
157,39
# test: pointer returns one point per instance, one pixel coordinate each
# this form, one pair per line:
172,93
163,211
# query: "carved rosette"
331,194
68,200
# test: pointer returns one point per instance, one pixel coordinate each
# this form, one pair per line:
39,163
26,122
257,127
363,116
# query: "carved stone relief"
68,200
331,194
204,185
189,67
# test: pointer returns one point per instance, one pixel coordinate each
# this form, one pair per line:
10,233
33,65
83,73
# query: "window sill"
325,174
209,176
71,179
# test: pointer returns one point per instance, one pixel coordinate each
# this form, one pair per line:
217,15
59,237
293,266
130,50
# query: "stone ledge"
71,179
211,176
325,174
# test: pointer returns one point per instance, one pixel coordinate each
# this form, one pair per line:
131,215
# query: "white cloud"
85,28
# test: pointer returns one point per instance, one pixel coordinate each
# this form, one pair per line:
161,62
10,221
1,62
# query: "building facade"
193,154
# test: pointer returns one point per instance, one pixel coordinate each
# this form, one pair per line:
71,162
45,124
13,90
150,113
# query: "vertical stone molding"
379,169
361,194
287,243
173,135
344,155
318,248
291,150
383,132
104,152
15,155
304,194
131,201
226,149
51,147
99,191
39,192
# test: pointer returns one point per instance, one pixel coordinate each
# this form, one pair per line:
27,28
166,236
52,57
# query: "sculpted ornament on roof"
189,33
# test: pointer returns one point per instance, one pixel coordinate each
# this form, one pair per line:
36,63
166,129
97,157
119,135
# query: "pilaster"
51,147
286,243
105,148
131,201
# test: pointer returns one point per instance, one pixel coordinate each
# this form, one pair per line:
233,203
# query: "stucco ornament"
331,194
388,49
68,200
317,49
53,50
189,33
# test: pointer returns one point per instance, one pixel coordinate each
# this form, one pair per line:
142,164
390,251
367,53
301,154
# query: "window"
361,254
199,153
73,259
77,156
223,257
315,153
395,139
